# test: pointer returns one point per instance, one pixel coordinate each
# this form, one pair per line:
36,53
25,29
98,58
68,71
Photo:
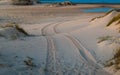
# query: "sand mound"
114,22
108,16
12,31
61,48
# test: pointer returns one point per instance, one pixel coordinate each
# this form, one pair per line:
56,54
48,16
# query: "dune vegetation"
104,38
115,61
22,2
114,19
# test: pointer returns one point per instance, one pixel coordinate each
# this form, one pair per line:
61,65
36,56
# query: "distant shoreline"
52,2
101,3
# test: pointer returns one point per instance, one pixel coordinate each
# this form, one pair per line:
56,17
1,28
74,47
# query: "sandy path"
52,63
64,54
86,55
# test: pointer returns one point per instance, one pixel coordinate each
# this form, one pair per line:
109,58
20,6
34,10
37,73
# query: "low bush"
22,2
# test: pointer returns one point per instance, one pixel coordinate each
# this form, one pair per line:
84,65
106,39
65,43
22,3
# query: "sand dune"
61,45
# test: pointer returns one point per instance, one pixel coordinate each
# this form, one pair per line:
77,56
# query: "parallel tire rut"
52,63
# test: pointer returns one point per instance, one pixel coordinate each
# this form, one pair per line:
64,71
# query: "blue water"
81,1
102,9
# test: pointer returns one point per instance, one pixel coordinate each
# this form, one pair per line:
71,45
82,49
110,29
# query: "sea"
83,1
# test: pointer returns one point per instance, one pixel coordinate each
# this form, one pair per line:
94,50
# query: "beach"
45,39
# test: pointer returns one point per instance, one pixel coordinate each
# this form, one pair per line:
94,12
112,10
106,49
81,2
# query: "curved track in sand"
53,61
85,53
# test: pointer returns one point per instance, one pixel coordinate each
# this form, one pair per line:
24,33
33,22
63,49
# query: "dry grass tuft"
104,38
115,61
16,26
22,2
29,62
114,19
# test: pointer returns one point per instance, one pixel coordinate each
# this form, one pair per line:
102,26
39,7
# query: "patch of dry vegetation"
16,26
104,38
101,16
65,3
114,19
29,62
12,31
115,61
22,2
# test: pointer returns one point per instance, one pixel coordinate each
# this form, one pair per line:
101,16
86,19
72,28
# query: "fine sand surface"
58,40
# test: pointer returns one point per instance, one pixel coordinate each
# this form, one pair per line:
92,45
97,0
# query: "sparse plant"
115,61
109,12
95,18
15,25
21,30
109,63
114,19
15,31
104,38
29,62
14,37
7,25
116,58
22,2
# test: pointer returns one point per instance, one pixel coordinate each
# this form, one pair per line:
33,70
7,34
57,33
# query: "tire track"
52,62
85,54
55,25
53,66
43,30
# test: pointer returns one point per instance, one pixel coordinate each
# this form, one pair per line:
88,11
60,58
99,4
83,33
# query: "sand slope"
65,47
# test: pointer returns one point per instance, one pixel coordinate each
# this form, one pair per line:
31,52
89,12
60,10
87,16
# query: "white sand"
59,45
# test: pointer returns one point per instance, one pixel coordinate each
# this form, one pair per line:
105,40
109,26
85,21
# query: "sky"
87,1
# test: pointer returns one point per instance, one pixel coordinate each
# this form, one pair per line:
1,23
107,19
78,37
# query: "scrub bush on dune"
115,61
22,2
